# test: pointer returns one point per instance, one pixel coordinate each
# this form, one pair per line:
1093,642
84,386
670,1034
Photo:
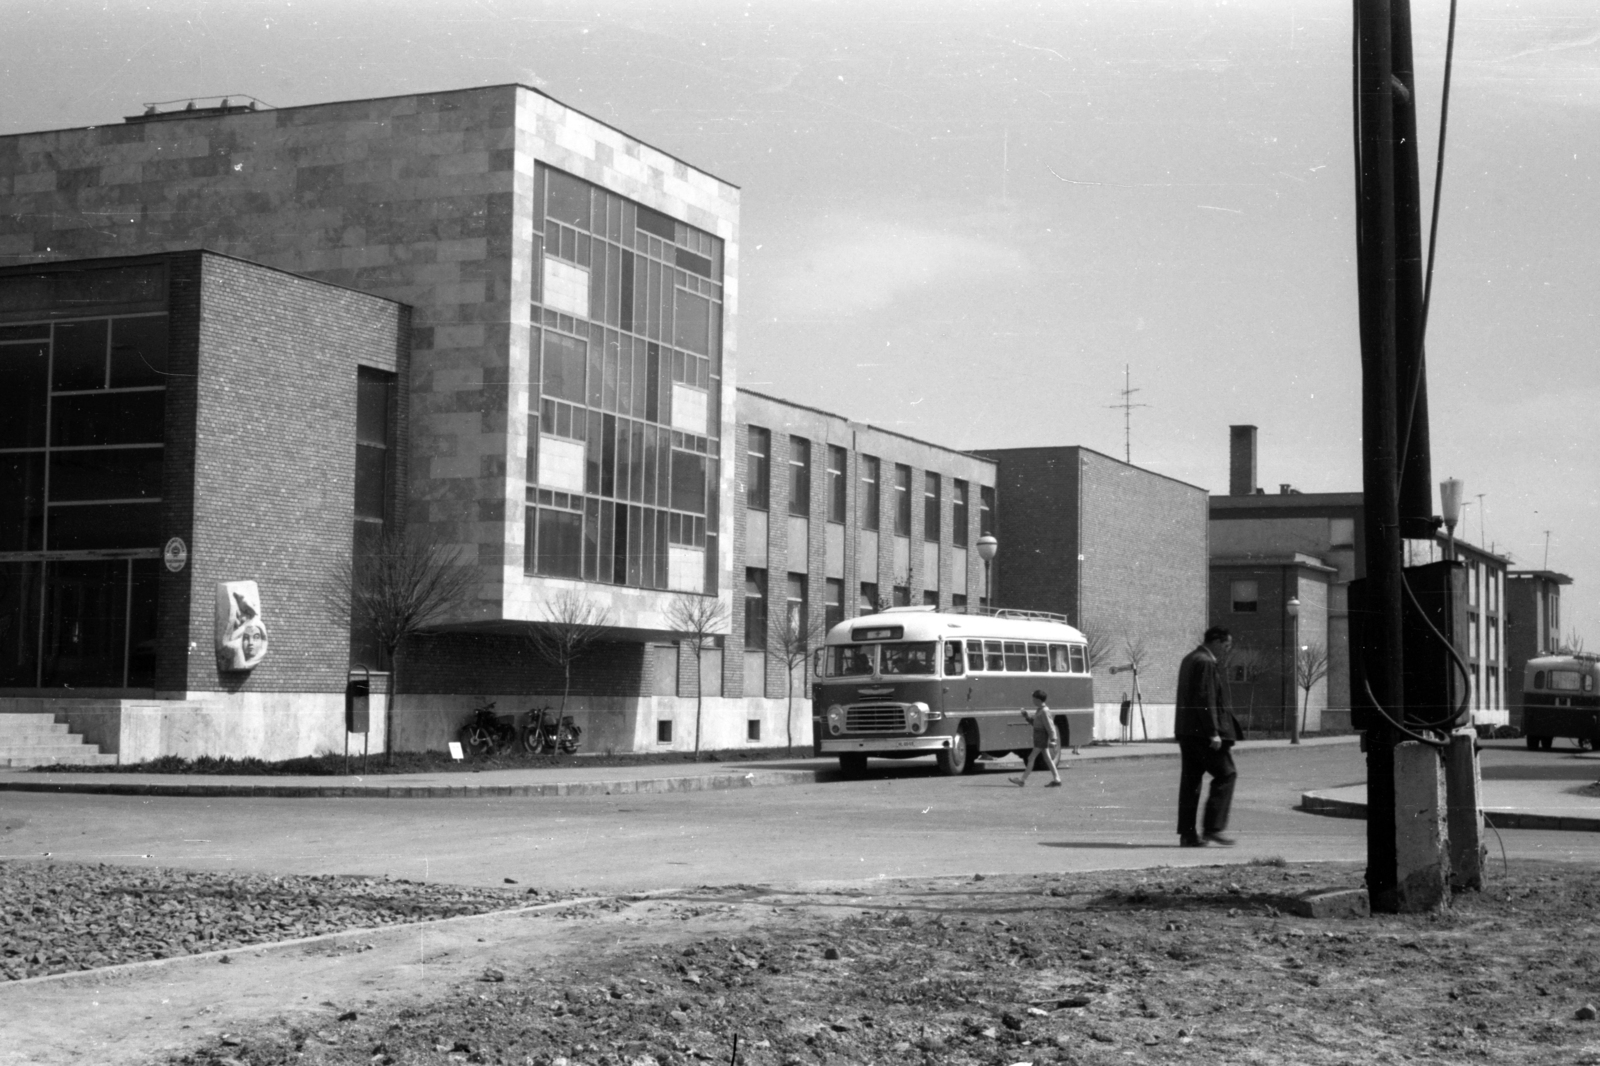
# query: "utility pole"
1402,686
1127,405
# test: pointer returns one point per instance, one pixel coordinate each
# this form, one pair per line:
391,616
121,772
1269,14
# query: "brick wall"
274,462
1144,569
1117,549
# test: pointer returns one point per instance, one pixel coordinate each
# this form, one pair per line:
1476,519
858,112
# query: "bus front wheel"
1533,742
957,758
853,765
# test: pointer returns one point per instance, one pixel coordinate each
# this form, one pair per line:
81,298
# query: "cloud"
846,267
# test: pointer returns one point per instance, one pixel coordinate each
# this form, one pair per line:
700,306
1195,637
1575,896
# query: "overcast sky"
964,220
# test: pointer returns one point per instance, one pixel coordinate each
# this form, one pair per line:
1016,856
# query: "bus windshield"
912,658
858,660
851,660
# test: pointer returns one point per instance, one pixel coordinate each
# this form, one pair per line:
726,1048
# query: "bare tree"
572,624
1097,646
1135,652
699,620
1571,644
1310,666
791,639
398,583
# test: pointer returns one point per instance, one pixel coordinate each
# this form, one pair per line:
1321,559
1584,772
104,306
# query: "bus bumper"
873,745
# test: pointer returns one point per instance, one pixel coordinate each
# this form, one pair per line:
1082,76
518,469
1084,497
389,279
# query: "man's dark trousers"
1199,759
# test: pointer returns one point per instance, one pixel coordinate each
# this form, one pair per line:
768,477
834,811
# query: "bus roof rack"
1013,612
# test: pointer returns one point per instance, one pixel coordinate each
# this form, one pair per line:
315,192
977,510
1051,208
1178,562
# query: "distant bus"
1561,698
914,681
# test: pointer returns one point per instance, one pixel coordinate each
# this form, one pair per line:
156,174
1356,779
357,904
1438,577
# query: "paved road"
902,821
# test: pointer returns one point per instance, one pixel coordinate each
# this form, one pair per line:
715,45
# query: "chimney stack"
1241,460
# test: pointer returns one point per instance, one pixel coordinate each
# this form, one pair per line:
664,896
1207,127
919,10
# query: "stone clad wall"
549,132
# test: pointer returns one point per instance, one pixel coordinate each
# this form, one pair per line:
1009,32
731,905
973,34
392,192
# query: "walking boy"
1046,742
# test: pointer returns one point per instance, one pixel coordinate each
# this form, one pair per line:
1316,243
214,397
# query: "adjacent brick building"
1118,550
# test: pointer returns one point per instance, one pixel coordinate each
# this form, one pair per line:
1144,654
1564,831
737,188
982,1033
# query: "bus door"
957,687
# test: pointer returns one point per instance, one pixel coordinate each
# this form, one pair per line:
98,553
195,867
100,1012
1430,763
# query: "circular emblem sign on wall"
175,554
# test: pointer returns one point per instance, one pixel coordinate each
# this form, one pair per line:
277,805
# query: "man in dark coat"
1206,730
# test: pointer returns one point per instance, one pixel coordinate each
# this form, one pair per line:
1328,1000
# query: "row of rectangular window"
797,608
758,489
755,600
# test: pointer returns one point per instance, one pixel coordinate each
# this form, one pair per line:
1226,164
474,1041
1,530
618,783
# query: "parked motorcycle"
545,732
487,733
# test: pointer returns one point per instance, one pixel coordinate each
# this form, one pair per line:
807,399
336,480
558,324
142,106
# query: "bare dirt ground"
1197,965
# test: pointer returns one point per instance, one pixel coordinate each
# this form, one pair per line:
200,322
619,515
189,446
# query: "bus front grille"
875,718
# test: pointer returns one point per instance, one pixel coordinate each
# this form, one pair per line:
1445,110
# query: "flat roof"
859,422
267,108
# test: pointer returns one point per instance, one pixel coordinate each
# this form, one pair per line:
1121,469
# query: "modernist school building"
232,339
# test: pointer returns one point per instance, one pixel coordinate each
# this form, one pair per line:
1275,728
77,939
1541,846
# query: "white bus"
915,681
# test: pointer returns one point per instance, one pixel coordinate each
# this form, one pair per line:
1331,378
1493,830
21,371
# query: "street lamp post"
1292,609
1450,511
988,547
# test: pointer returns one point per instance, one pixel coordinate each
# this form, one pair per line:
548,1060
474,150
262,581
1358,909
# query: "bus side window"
1080,659
993,657
1588,682
1038,659
1059,663
1538,679
1016,656
952,658
974,655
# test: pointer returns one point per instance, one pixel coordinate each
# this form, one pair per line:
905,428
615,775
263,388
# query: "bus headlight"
836,719
917,717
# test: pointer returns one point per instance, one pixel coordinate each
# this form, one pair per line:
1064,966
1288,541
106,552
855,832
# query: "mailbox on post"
357,714
357,700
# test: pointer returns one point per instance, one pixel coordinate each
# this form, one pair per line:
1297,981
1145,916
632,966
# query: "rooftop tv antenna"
1127,405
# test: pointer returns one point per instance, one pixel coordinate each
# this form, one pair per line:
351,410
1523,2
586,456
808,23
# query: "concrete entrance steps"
34,739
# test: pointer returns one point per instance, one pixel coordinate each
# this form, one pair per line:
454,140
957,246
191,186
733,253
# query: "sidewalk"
555,781
1506,805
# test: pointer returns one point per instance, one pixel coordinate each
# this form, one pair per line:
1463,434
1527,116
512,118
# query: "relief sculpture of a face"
241,631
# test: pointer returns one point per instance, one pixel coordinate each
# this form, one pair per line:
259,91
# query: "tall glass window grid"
626,348
81,461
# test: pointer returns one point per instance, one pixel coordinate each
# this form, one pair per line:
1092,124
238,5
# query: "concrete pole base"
1421,828
1464,794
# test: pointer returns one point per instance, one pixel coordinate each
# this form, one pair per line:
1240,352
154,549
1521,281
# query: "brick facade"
1117,549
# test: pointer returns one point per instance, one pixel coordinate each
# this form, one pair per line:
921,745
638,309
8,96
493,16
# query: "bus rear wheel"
957,758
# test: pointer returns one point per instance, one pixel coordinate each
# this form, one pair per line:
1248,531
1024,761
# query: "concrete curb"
376,788
1332,807
248,788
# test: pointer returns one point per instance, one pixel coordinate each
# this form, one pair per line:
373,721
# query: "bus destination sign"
878,633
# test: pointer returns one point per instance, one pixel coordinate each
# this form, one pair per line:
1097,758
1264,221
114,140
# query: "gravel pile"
60,917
